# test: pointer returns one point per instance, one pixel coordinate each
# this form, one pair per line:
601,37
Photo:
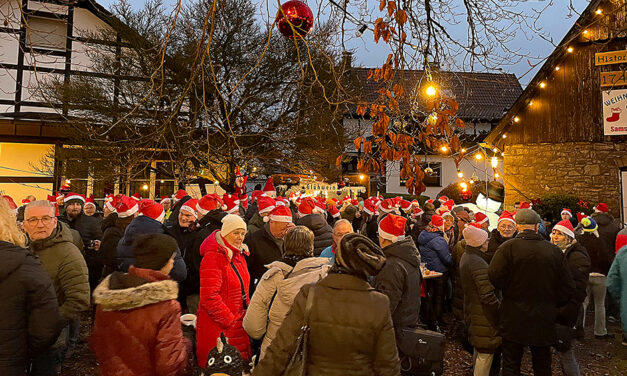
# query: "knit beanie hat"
475,237
224,359
359,255
589,224
230,223
152,251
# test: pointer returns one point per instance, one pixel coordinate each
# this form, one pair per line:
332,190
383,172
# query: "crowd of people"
235,284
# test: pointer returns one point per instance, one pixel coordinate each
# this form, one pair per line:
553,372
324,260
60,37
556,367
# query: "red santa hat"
164,199
65,187
566,211
335,212
136,196
397,201
306,206
90,201
265,204
565,227
208,203
243,199
180,194
112,201
415,202
602,208
430,201
443,199
506,216
580,216
10,203
255,195
53,201
437,222
392,228
190,207
279,214
231,202
126,207
25,201
621,239
387,206
370,207
481,218
73,196
405,205
525,205
354,202
151,209
417,212
268,189
282,201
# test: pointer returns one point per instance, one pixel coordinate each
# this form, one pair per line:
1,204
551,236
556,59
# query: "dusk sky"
556,20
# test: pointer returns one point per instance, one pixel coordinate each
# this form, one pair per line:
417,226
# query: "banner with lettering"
615,112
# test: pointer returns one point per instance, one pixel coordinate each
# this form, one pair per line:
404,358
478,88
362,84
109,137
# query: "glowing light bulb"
570,50
496,175
431,90
145,187
463,185
504,136
478,156
585,32
463,150
542,85
599,11
557,68
531,103
460,174
444,149
495,162
361,176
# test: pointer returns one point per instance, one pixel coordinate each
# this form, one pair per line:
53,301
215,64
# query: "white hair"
40,204
343,222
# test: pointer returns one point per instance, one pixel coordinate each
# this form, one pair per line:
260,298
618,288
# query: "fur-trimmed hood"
134,297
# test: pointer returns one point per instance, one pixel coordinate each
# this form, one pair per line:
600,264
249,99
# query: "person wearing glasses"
52,242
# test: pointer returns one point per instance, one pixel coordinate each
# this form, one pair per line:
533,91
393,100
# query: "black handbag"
421,351
298,362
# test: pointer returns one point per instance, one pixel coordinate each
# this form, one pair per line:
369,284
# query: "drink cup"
188,319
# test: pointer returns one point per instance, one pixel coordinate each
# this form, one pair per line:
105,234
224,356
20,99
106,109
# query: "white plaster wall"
448,173
47,7
9,48
5,108
31,84
10,10
7,83
44,61
86,23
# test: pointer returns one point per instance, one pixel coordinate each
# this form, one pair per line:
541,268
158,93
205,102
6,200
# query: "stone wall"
587,170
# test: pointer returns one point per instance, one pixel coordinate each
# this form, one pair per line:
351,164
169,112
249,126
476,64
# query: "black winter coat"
174,212
458,293
535,281
263,251
608,229
143,225
113,231
371,228
481,304
421,224
31,321
323,233
399,280
496,239
88,227
579,266
600,260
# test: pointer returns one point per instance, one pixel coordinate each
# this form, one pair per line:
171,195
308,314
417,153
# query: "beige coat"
261,318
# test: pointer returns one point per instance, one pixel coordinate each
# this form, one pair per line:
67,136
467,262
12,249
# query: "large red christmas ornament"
299,15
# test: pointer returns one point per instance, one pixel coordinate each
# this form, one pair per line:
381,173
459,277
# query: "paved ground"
595,357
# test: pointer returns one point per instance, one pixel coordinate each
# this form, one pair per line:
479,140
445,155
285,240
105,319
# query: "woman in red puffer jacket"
137,329
224,282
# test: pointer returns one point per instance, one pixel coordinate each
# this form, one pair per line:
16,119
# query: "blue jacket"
617,283
328,253
434,251
144,225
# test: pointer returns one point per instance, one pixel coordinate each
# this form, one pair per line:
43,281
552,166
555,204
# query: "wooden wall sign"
616,78
613,57
615,112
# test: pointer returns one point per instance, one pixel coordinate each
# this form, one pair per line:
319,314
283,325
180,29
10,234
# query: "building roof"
481,96
547,68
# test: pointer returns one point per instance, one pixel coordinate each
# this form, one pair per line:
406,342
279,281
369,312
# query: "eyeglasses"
45,220
341,234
